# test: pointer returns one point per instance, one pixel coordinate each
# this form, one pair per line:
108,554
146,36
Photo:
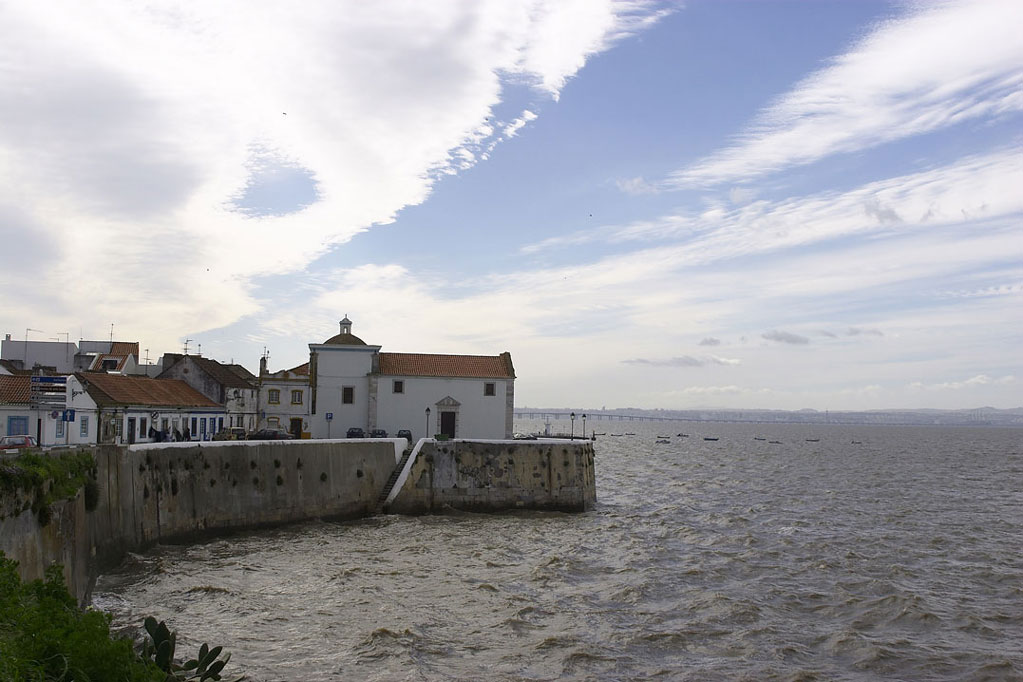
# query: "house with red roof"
230,385
16,414
124,409
354,384
284,399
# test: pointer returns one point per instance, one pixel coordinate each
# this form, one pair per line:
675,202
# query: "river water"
875,553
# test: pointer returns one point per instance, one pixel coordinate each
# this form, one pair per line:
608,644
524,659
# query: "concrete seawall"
176,492
496,475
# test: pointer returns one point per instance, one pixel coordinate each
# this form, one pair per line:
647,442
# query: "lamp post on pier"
584,427
572,416
427,434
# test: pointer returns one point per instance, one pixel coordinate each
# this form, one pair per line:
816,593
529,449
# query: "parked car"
233,433
378,433
405,433
18,442
355,432
270,434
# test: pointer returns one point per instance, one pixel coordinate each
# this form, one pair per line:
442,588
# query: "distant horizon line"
605,410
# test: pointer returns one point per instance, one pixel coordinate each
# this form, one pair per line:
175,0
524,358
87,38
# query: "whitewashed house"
353,384
230,385
284,399
34,405
118,408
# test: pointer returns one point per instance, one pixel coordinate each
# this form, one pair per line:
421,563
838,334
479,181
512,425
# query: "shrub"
45,636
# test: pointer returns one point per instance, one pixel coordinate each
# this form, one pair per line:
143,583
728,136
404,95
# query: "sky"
648,204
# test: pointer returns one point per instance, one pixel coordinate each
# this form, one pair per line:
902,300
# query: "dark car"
18,442
378,433
355,432
405,433
269,434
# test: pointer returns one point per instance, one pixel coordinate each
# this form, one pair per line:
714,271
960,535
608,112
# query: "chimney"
262,365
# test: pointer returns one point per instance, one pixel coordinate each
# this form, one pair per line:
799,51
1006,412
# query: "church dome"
344,340
346,337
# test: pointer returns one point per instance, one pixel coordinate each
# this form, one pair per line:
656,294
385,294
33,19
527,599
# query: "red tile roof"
301,369
97,363
15,389
123,389
125,348
460,366
224,374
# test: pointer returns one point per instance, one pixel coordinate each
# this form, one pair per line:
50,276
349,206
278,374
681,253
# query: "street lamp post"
427,434
572,417
584,427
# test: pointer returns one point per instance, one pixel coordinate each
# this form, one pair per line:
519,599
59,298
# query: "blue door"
17,426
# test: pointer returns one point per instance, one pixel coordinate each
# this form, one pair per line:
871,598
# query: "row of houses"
105,395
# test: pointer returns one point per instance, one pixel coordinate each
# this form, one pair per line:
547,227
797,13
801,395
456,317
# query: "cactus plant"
160,646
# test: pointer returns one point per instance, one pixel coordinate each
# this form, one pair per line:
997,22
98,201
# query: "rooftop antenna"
27,330
147,356
111,332
186,346
200,349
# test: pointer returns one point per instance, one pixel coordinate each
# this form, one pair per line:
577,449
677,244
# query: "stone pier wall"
176,492
498,475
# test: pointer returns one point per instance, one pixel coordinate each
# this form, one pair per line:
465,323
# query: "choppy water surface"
896,557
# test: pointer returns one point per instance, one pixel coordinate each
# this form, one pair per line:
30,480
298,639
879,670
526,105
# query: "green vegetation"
52,477
160,648
45,637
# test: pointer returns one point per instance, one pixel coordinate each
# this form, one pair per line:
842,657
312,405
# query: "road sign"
330,415
69,415
48,391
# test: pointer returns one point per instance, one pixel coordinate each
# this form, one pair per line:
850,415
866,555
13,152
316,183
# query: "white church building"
353,384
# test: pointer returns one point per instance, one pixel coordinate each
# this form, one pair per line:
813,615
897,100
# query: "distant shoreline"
925,417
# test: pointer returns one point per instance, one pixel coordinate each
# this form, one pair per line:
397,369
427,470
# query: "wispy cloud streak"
944,64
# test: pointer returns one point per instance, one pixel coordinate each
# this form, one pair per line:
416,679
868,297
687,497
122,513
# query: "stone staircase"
378,507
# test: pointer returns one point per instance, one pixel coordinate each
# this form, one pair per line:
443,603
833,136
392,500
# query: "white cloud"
972,382
129,130
513,128
636,186
945,63
982,187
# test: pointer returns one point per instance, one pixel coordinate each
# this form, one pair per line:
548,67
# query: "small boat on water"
629,434
857,442
758,438
709,438
662,440
813,440
683,435
774,442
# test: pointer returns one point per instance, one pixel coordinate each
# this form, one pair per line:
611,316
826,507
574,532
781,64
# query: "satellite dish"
54,414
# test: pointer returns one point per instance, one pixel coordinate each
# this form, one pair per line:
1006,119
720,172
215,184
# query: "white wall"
479,415
283,410
336,367
47,353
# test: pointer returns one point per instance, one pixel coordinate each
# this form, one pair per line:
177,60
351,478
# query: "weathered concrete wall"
497,475
172,492
63,540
